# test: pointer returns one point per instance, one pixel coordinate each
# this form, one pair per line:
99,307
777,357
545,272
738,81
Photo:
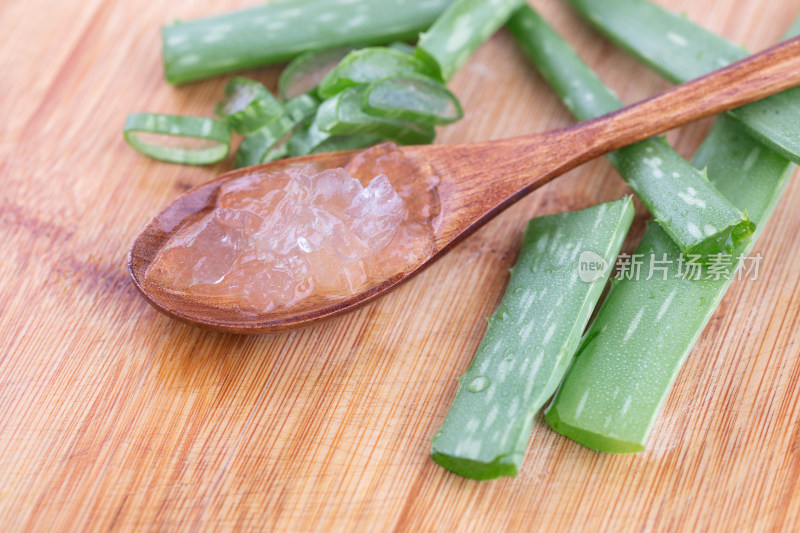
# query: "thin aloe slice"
343,115
412,98
305,72
680,50
248,106
270,142
368,65
460,30
283,29
645,329
311,140
177,138
690,210
307,139
337,143
530,339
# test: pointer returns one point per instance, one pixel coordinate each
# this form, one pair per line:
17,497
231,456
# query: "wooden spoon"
477,181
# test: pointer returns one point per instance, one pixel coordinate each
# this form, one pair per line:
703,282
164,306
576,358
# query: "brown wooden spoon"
477,181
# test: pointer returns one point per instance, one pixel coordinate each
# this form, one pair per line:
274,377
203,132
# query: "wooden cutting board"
114,417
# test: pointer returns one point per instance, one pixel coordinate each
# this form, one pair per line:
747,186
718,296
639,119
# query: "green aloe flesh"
412,98
685,204
680,50
248,106
283,29
343,115
460,30
368,65
530,339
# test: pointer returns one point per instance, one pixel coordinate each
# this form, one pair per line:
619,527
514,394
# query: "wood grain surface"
114,417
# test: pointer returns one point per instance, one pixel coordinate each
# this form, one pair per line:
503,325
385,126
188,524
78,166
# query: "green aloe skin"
460,30
680,50
283,29
687,206
645,329
530,339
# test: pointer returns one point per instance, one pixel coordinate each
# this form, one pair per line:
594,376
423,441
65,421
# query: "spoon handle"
753,78
524,163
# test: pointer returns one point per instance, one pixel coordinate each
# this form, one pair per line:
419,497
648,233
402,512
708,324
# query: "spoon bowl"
476,182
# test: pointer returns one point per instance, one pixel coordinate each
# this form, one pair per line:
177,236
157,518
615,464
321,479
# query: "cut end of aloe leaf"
503,466
412,98
369,65
248,106
727,241
595,440
343,115
529,343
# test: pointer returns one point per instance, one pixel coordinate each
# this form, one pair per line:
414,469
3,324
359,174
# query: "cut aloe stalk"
368,65
690,210
632,352
177,138
283,29
460,30
305,72
645,329
680,50
248,106
343,115
560,274
412,98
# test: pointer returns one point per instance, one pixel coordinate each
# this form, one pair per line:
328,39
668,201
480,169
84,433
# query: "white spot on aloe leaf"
690,199
176,39
461,34
680,40
752,157
581,404
491,417
526,332
549,334
665,306
633,325
709,230
693,230
189,59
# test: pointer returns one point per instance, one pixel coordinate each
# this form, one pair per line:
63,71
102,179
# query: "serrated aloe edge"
680,50
645,329
283,29
530,339
689,209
